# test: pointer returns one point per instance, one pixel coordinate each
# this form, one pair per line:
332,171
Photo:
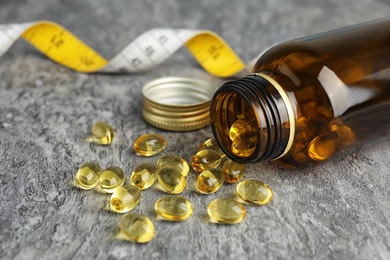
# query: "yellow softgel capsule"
171,180
226,211
210,180
205,159
88,175
241,126
213,145
254,192
125,198
323,146
174,208
102,133
175,162
137,227
233,171
149,144
244,144
345,134
144,175
111,178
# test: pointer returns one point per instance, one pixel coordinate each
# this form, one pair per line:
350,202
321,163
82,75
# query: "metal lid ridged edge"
180,126
177,103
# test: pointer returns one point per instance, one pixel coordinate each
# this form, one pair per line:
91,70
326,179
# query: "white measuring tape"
145,52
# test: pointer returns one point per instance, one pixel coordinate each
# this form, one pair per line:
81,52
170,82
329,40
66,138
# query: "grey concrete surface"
335,210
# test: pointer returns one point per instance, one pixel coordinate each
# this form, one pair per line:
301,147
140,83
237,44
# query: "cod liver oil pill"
213,145
102,133
149,144
254,192
323,146
88,175
137,227
233,171
210,180
228,211
111,178
345,135
205,159
171,180
241,126
125,198
299,157
175,162
174,208
144,175
244,144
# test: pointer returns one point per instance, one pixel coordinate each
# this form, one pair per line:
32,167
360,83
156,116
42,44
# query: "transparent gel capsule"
125,198
174,208
111,178
345,135
213,145
144,175
137,227
323,146
102,133
226,211
244,144
210,180
239,116
175,162
205,159
309,109
299,157
325,111
88,175
300,142
171,180
149,144
241,126
254,192
305,126
233,171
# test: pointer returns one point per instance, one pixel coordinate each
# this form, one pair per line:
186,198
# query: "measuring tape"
145,52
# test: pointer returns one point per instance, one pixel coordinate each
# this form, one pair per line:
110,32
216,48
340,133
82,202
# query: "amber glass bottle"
306,99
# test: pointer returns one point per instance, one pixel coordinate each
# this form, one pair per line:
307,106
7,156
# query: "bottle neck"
252,119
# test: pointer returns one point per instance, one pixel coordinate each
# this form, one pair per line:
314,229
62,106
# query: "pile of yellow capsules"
170,172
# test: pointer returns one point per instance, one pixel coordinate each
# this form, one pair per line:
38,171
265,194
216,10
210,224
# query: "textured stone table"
335,210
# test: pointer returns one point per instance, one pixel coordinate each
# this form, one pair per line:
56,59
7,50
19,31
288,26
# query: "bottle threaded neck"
249,120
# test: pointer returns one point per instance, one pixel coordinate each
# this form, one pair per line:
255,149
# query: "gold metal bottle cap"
177,104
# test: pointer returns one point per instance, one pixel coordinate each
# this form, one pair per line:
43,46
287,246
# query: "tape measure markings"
166,38
134,56
145,52
63,47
